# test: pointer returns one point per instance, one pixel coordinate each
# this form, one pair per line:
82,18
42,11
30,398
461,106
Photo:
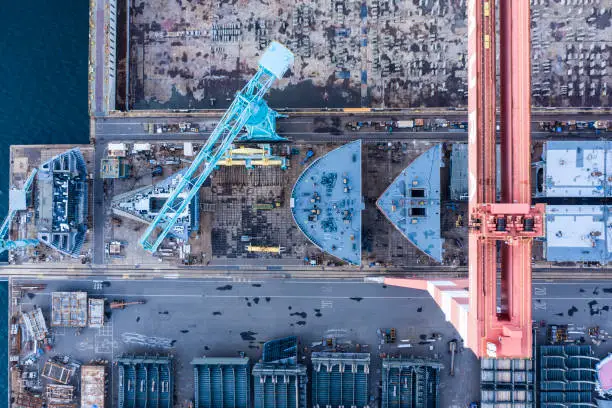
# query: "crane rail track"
47,272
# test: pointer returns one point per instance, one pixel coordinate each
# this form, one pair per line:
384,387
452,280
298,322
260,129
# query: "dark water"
43,93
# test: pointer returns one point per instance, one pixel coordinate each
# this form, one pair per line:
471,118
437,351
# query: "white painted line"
171,276
573,298
319,297
572,283
142,295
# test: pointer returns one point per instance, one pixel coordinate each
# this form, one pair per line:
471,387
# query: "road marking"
327,304
539,305
539,291
171,276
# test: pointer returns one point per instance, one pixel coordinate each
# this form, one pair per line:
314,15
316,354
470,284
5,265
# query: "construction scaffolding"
507,383
26,400
59,395
68,309
35,323
57,372
92,386
567,375
221,382
340,380
410,383
95,313
279,386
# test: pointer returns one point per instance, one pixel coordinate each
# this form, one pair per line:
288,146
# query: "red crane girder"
500,231
495,320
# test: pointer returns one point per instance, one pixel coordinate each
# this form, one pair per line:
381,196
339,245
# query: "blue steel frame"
231,124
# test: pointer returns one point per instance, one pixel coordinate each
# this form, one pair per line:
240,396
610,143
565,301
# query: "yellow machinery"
251,157
265,249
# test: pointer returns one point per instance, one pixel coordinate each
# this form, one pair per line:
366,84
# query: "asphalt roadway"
222,317
316,129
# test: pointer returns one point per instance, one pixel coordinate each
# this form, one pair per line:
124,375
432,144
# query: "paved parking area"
224,317
190,319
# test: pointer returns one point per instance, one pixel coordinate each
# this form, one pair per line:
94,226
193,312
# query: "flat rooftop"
578,233
577,169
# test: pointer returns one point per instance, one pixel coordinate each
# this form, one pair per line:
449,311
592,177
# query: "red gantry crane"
492,310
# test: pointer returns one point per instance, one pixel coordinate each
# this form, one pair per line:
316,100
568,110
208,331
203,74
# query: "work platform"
410,382
340,379
221,382
279,386
145,381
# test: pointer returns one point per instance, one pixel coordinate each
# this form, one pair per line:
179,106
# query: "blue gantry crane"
17,202
248,108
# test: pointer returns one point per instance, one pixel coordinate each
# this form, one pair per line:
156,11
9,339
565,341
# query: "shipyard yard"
291,205
243,211
375,53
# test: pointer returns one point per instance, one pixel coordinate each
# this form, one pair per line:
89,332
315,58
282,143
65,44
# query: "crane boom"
248,103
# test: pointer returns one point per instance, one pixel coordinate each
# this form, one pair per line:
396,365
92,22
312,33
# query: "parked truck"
404,124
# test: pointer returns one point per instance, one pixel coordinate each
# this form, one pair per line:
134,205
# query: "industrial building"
145,203
575,169
279,385
507,383
412,203
567,375
69,309
93,385
410,383
145,381
578,233
340,380
62,202
326,202
459,171
221,382
35,323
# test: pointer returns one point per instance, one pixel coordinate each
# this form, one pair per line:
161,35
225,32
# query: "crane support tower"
247,108
14,206
494,319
